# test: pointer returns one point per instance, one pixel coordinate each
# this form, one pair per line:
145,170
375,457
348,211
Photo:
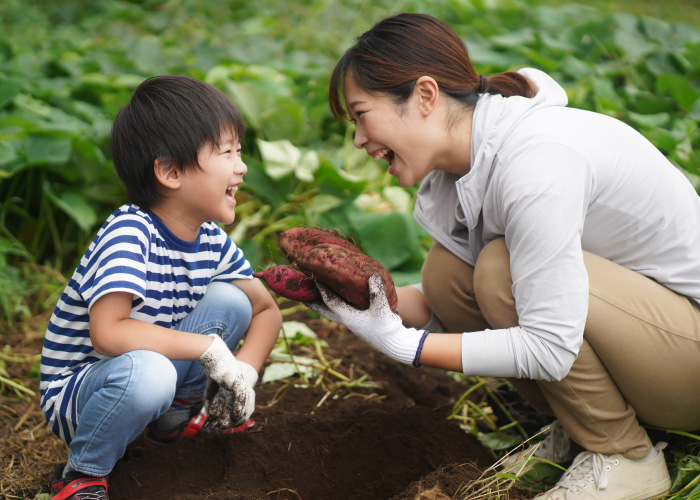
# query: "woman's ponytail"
507,84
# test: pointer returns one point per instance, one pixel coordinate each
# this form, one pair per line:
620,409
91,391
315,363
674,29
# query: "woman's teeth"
380,154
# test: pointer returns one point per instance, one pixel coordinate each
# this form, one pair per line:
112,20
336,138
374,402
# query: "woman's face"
397,134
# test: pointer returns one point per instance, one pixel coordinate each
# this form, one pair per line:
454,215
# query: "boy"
160,287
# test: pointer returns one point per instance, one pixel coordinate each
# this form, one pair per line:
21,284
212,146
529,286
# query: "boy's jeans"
119,396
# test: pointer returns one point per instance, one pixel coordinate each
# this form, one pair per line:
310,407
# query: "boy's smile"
211,190
207,193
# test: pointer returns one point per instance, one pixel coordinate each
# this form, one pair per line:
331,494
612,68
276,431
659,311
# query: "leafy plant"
67,67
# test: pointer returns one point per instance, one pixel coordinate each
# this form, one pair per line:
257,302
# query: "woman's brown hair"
398,50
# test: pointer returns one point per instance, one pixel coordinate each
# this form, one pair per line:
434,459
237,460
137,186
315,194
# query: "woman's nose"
360,138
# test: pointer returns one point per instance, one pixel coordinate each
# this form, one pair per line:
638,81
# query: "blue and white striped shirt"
133,252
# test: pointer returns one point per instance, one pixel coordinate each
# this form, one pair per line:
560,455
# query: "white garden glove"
378,325
230,395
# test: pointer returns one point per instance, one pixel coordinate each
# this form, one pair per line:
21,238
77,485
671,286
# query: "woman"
567,249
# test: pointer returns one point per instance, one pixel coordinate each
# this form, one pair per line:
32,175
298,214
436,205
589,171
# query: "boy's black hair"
169,117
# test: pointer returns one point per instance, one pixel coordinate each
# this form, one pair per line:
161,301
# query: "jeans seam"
107,415
80,388
219,325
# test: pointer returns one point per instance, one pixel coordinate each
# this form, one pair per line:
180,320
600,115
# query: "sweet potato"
290,283
299,240
346,272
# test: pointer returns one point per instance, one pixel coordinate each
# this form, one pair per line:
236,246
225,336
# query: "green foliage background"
66,67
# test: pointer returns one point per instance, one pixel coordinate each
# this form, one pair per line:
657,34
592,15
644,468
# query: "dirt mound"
353,445
385,440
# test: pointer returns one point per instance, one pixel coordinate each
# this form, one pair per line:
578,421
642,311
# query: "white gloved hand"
230,395
378,325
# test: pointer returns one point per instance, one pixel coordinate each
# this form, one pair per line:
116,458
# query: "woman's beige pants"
640,358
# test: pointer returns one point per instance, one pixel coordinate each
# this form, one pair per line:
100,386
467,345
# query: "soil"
391,441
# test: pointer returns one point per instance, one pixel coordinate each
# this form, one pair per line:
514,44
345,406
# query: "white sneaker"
594,476
556,447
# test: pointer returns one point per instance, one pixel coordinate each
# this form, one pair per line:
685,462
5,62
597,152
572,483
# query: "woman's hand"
378,325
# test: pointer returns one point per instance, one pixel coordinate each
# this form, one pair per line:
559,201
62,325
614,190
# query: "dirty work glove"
378,325
230,396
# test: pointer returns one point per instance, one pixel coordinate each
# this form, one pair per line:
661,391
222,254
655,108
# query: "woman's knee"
493,285
448,289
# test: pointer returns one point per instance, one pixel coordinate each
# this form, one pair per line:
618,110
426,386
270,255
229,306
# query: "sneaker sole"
653,490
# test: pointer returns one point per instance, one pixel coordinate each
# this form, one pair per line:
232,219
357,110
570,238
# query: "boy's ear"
426,91
166,173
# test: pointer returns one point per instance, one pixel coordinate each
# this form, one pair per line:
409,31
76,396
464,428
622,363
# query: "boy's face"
210,191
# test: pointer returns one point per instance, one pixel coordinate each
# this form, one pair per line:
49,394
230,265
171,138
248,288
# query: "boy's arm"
264,326
113,333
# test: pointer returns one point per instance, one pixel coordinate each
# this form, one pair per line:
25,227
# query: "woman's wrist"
412,306
442,350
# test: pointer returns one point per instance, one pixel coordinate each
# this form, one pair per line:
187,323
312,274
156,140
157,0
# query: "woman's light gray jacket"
555,180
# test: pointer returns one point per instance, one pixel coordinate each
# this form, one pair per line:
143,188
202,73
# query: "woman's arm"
443,350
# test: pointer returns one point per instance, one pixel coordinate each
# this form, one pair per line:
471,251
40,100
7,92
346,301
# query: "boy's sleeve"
117,262
232,264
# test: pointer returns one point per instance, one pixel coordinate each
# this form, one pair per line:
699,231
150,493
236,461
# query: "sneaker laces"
588,468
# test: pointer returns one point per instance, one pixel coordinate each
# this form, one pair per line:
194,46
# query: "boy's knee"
151,380
228,300
493,283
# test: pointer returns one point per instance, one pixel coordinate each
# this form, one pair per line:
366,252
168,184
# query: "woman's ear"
426,91
166,173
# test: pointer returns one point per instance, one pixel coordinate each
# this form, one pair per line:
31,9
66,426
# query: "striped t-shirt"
133,252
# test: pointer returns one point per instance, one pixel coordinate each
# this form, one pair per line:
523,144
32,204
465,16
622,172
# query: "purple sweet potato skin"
346,272
299,240
290,283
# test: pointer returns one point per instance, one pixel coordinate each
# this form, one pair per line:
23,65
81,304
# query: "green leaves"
686,484
679,88
394,239
8,90
282,158
58,100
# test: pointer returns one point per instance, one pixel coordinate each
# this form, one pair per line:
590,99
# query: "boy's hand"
232,400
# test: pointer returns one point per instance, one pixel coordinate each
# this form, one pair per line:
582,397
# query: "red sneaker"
199,423
77,488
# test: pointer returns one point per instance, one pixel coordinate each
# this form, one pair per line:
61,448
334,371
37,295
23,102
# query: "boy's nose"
241,168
